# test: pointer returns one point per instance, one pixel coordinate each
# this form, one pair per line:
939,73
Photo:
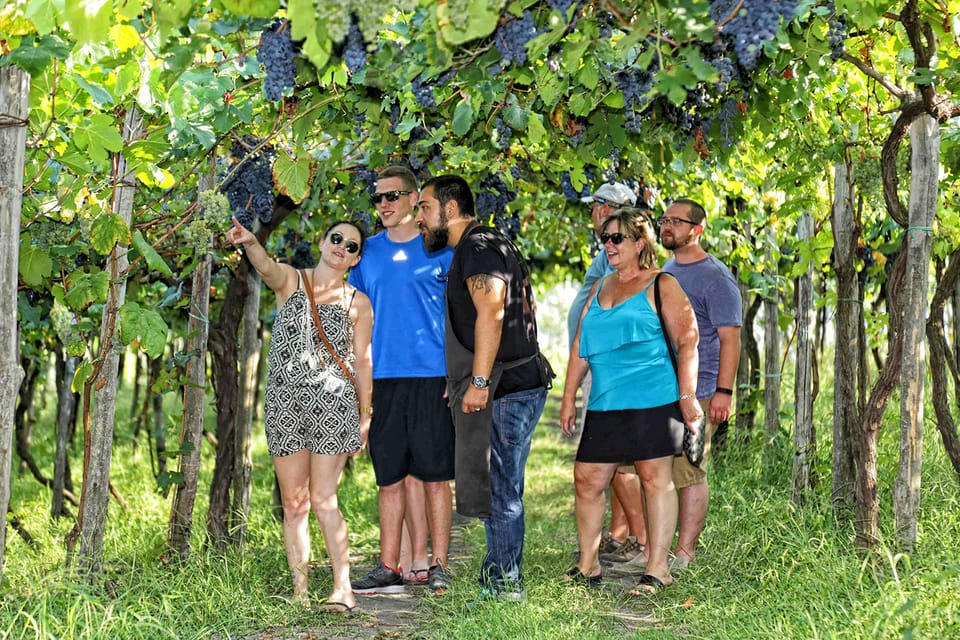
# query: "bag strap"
663,326
319,329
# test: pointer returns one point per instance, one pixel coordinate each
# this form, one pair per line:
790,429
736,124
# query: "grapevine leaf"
99,136
98,94
130,9
480,20
293,176
304,26
462,117
84,289
154,261
145,326
89,22
535,130
702,69
35,263
34,56
124,36
83,372
251,8
42,13
171,14
515,115
106,231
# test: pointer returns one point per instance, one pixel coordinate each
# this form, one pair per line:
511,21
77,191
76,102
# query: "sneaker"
678,564
512,594
379,580
440,579
627,551
635,567
608,544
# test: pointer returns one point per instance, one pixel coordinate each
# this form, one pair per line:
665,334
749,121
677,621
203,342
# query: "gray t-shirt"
715,298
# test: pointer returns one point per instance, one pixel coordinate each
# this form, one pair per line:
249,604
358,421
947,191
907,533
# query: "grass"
766,569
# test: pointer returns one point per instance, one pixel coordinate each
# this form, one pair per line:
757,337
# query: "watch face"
480,382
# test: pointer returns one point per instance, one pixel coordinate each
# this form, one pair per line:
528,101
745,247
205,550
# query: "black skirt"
627,435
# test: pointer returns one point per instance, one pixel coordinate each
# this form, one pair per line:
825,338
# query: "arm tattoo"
481,281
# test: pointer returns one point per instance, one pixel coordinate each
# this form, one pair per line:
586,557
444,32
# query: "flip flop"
420,576
575,576
648,586
333,606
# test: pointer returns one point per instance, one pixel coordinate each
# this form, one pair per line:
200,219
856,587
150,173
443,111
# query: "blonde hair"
635,224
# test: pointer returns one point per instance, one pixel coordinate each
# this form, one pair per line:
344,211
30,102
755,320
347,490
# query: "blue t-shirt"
716,301
405,285
599,268
628,356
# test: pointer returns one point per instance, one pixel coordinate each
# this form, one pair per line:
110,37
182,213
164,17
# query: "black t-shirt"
486,250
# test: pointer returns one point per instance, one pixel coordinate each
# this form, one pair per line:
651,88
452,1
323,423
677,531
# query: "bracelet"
366,410
688,396
724,390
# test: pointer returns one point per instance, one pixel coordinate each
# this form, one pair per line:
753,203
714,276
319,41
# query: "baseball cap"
616,192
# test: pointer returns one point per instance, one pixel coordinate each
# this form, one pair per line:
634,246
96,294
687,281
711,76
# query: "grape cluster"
423,93
725,117
559,5
501,134
566,185
296,250
511,38
250,188
364,219
355,51
493,196
276,53
368,178
606,22
754,24
837,34
635,84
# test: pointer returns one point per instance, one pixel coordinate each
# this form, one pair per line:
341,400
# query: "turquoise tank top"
628,356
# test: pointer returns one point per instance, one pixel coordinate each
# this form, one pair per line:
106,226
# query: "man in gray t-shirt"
715,298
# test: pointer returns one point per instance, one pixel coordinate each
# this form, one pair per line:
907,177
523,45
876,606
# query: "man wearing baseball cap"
626,498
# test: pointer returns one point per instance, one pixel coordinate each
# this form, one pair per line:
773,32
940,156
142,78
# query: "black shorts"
631,434
411,432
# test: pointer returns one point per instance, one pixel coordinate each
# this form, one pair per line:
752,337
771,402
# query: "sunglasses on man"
350,246
391,196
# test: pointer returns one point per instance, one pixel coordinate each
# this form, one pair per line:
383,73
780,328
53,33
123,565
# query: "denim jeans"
515,416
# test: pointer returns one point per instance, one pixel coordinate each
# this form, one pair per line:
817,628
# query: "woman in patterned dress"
313,419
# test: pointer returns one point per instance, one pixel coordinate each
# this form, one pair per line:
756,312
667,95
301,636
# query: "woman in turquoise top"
637,408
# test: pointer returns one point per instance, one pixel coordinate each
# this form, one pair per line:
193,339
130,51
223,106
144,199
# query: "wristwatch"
480,382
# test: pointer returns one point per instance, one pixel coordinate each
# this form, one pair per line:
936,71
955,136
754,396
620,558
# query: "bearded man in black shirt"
496,379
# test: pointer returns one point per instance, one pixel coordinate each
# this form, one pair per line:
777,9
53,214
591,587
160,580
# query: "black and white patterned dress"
303,408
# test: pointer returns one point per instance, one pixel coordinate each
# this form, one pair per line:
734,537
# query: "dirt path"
385,617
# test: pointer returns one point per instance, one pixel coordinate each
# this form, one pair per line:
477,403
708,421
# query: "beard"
673,243
435,239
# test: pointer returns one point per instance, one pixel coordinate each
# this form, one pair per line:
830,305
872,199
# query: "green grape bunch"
213,218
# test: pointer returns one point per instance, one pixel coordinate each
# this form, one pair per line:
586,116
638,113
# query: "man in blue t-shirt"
716,300
411,434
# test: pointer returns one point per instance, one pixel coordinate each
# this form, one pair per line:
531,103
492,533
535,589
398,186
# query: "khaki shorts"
684,473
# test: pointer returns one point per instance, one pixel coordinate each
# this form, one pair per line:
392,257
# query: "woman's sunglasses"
350,246
615,238
391,196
